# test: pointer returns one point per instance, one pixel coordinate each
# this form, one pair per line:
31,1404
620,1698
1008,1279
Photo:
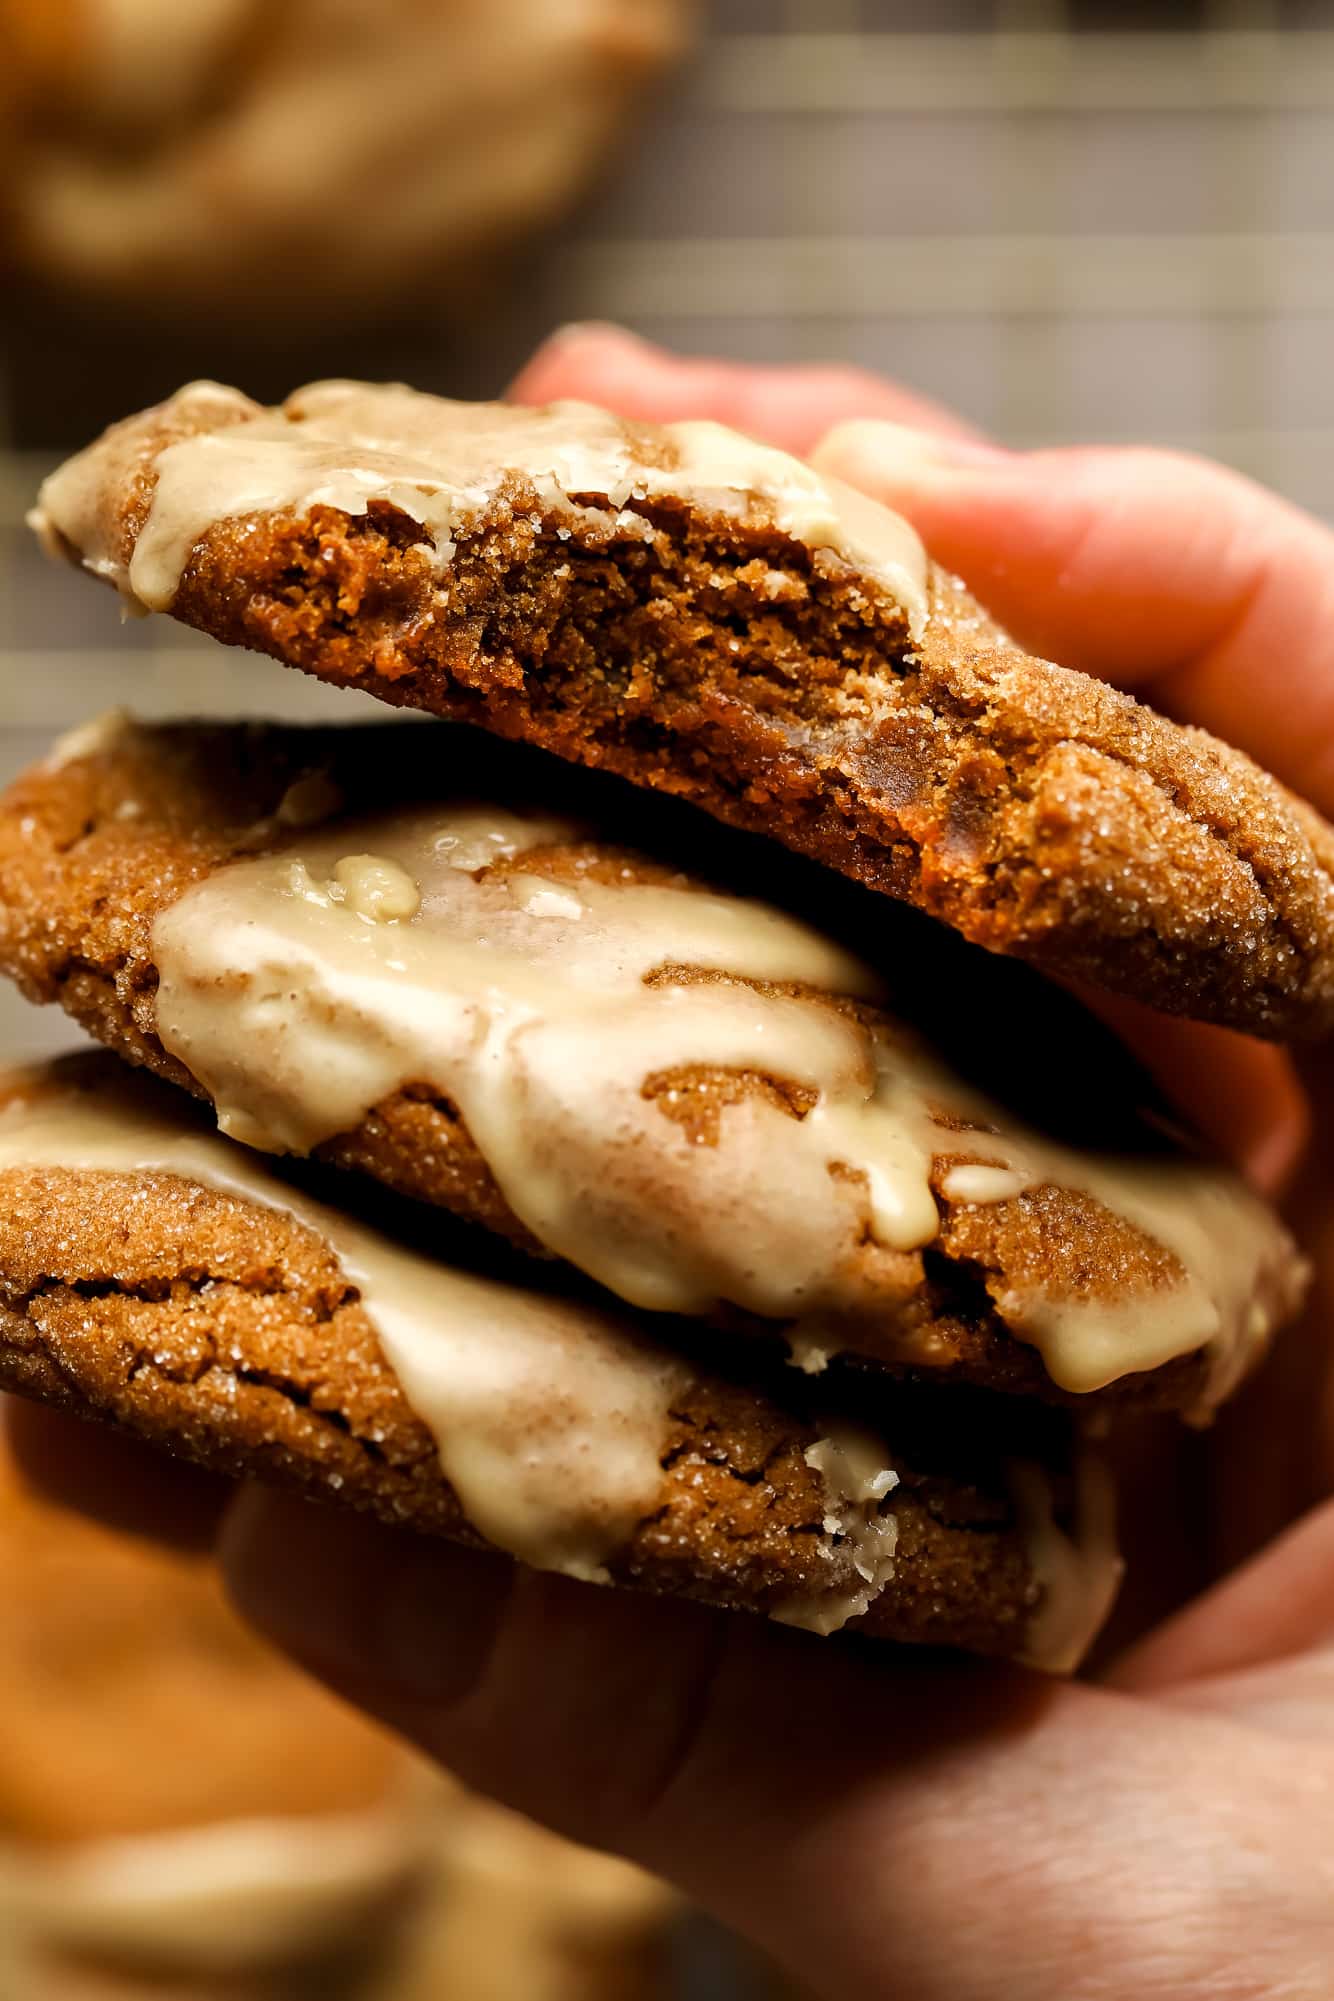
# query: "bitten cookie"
441,963
161,1278
715,619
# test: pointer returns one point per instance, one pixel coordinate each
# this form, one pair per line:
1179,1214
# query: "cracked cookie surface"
96,844
228,1332
711,652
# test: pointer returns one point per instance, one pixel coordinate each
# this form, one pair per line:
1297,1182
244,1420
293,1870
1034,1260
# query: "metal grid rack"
1067,227
1070,220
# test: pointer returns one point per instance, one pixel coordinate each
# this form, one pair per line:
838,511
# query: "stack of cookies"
682,1171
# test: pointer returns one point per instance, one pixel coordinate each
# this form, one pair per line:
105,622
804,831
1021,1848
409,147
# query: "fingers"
1160,572
568,1702
112,1477
882,1823
1155,570
1280,1430
1244,1096
717,1750
791,407
1279,1605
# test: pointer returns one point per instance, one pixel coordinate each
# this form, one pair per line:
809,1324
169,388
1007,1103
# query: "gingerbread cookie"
715,619
176,1802
440,963
273,164
162,1278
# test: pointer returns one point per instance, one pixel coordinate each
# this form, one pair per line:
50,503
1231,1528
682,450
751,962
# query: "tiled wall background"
1070,220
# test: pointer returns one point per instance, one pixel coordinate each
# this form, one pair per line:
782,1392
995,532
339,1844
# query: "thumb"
1151,569
733,1758
879,1823
1279,1605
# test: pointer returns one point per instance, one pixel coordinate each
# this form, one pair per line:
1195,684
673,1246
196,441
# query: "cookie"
714,619
161,1278
145,1732
518,1914
115,1656
441,963
173,1796
271,162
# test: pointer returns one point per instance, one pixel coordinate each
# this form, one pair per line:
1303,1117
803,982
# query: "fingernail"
576,332
367,1607
867,451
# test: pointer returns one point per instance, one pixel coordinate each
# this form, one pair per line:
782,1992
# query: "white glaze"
542,1007
1077,1570
442,464
550,1417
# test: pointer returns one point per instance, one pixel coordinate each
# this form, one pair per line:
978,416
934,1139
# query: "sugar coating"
305,987
693,1096
174,1301
748,638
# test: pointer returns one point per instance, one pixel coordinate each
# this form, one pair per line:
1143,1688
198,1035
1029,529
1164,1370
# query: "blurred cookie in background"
179,1809
287,160
183,1817
516,1914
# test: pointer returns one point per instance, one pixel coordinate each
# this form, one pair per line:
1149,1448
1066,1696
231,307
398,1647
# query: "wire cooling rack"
1067,217
1070,220
1067,225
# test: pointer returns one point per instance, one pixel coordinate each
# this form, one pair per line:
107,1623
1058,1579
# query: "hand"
893,1825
